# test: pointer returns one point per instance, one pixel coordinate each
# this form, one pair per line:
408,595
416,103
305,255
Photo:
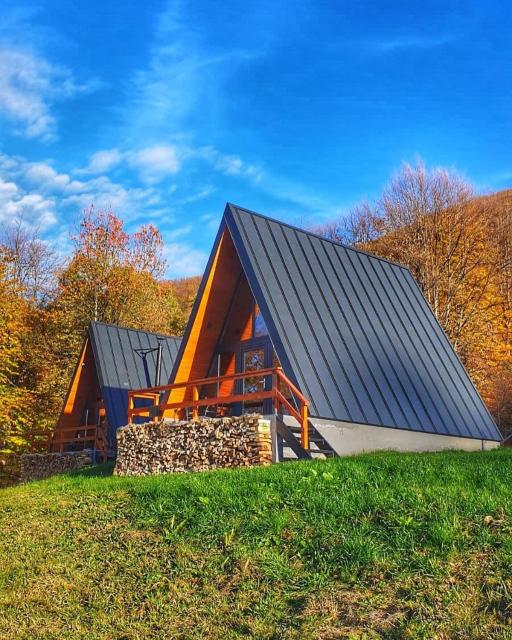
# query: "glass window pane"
260,328
254,359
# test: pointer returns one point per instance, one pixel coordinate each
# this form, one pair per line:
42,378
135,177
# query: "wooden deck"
196,396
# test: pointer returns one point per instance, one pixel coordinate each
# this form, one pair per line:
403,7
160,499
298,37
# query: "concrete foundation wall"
347,438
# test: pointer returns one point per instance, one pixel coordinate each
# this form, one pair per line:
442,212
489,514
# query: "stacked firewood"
36,466
204,443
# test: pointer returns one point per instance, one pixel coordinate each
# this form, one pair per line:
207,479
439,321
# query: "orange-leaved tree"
112,276
15,399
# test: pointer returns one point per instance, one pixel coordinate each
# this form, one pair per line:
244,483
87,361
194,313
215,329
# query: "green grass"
377,546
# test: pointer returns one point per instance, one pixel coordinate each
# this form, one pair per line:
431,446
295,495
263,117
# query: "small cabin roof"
124,362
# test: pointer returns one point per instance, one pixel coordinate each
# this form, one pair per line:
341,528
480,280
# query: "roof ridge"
316,235
120,326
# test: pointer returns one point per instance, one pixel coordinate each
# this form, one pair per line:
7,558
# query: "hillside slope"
377,546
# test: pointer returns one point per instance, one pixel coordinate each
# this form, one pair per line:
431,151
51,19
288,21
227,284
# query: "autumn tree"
181,293
15,399
30,263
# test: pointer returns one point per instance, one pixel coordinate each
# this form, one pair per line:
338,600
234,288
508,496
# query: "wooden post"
195,396
304,435
274,389
274,439
130,407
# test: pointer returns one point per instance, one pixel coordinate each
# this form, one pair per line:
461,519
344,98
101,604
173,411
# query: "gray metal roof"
121,367
355,332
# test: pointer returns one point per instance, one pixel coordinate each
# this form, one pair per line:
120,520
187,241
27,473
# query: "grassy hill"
375,546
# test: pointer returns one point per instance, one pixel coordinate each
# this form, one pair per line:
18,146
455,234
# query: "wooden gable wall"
84,385
210,318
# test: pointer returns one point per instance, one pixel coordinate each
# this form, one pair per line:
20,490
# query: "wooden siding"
84,385
209,320
238,326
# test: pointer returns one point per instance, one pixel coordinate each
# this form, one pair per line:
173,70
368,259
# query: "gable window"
259,326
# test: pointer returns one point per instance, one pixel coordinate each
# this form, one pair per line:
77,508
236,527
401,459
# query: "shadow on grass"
95,471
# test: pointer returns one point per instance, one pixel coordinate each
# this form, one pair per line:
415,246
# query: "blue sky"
166,110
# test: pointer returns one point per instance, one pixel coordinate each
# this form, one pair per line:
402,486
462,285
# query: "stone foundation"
206,443
36,466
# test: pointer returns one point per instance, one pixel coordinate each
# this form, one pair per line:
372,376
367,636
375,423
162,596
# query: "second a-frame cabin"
339,344
113,361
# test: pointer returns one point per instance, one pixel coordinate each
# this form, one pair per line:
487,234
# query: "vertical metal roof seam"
284,297
147,358
100,361
381,319
406,343
283,335
124,355
371,348
452,355
407,384
441,365
308,320
321,381
130,335
114,407
337,328
415,362
293,233
445,361
91,334
348,324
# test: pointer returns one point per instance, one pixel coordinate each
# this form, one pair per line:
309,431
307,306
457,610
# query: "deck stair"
290,447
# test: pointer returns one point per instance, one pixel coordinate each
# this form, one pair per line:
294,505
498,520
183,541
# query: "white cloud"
184,260
179,232
8,191
129,203
29,86
152,163
228,164
409,41
156,162
211,220
184,75
33,207
103,161
45,177
42,194
199,195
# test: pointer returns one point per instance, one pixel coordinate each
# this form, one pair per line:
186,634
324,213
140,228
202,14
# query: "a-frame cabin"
338,340
113,361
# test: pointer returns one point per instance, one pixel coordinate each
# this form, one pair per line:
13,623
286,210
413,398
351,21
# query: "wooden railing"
297,406
85,436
